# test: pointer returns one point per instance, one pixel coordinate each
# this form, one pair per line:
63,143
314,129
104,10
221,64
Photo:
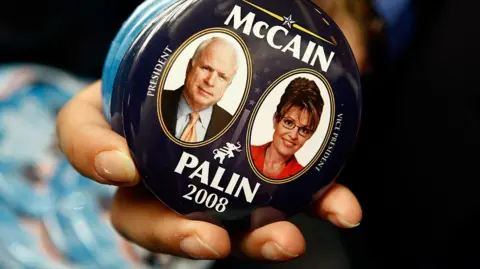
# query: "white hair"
207,42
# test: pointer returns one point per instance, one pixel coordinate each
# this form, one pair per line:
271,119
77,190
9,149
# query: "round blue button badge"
234,111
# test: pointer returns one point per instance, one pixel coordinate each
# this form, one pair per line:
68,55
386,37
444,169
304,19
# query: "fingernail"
274,252
115,166
197,249
337,220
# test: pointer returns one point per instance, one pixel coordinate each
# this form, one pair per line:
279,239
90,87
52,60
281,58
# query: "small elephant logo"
226,151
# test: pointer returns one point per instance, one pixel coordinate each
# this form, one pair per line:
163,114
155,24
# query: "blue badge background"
157,156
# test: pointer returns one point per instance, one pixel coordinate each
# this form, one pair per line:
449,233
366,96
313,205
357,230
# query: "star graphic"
255,76
266,70
251,102
288,21
269,82
257,90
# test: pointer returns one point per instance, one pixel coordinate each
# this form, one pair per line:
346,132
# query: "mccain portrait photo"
191,113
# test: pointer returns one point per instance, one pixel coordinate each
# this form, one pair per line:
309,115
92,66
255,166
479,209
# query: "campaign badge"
235,111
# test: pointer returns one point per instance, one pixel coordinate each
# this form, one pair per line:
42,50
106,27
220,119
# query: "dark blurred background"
416,159
71,35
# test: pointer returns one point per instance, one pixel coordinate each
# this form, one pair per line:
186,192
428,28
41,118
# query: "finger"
90,145
339,206
143,219
279,241
347,16
355,37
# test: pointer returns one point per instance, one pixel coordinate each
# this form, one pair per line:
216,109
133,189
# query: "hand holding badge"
237,115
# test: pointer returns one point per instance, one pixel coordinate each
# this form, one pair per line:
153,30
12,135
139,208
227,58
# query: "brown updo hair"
304,94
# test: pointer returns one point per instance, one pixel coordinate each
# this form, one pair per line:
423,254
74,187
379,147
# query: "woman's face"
291,131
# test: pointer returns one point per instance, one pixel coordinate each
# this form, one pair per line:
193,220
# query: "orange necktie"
190,133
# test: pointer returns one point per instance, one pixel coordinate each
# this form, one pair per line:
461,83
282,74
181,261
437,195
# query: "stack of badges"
236,112
51,216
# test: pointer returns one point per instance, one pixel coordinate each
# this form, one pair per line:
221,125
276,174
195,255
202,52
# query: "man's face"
209,75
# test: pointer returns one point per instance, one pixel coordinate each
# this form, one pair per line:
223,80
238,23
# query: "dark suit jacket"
170,100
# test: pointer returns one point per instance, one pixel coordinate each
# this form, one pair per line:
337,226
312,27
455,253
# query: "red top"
258,156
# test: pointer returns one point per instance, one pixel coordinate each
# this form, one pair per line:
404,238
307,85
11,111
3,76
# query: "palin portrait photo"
290,127
204,88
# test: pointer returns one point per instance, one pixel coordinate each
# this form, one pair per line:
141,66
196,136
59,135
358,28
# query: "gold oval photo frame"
173,59
259,105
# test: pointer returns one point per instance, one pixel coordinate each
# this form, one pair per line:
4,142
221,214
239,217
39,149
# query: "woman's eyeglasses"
290,125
